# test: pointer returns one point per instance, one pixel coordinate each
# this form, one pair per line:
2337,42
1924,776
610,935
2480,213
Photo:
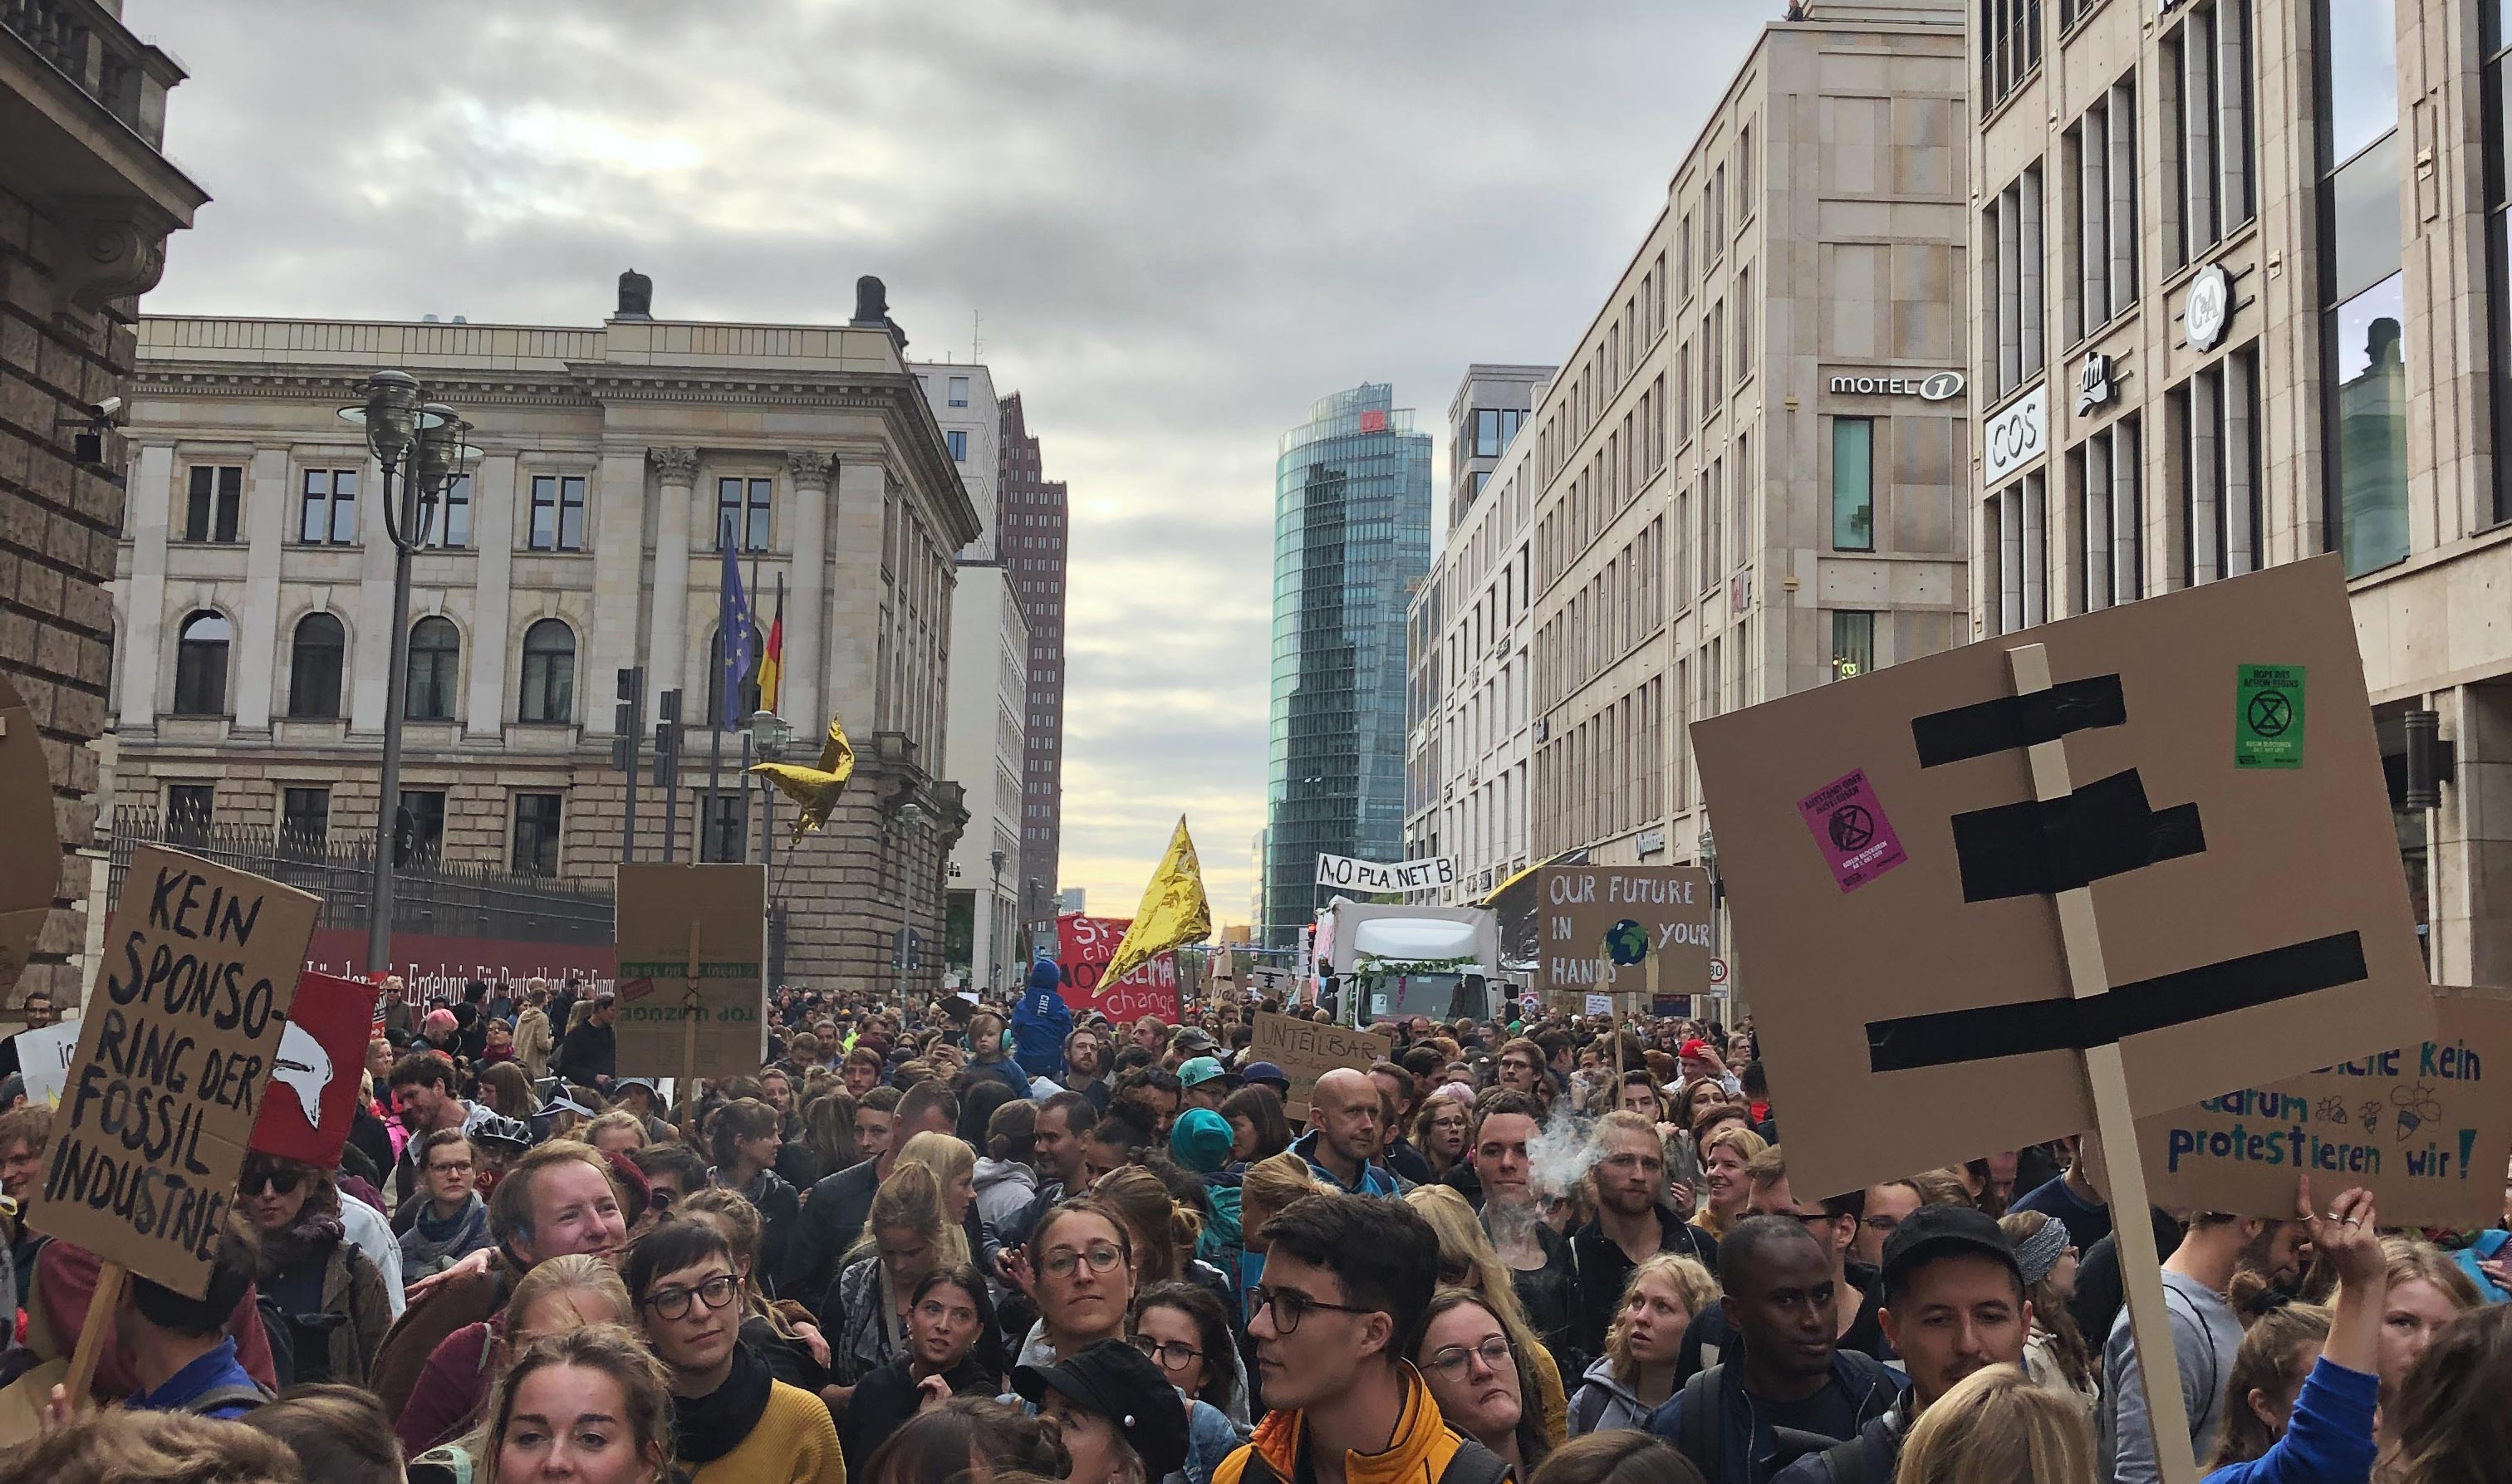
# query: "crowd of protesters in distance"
954,1239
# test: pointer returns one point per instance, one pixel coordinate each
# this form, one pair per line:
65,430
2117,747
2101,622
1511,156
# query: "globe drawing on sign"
1626,943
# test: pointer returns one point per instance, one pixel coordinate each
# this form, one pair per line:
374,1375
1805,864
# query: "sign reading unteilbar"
669,913
1305,1051
178,1043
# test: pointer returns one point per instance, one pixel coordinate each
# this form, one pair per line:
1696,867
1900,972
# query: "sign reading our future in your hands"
1623,929
178,1042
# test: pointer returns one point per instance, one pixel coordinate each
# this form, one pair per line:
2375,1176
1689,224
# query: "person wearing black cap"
1953,1303
1123,1421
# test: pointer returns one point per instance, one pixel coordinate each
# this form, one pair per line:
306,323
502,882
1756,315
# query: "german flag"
771,665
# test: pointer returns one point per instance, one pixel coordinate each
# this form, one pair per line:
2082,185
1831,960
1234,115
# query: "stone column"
855,598
799,701
618,510
365,682
677,470
492,644
149,505
258,639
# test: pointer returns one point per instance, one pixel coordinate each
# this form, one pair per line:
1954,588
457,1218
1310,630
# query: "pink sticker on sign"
1850,829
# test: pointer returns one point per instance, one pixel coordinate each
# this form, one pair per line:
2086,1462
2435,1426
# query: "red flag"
312,1095
771,666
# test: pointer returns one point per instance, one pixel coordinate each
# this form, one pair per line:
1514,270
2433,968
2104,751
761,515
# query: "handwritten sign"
1623,929
1282,984
1083,947
178,1041
665,912
44,1055
1305,1051
2421,1127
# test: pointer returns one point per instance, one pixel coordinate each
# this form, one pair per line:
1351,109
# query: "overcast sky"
1182,222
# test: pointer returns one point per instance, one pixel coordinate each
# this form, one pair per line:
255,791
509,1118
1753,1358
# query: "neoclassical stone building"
254,597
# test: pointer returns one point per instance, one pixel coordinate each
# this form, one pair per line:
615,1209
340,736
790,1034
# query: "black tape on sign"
1949,1038
2019,720
2040,847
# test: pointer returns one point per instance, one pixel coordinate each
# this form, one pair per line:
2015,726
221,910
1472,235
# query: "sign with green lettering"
2267,716
693,992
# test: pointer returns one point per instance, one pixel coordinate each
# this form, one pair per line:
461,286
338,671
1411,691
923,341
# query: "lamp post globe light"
428,444
768,734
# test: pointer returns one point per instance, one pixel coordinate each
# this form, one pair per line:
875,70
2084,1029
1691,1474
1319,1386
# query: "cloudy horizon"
1177,227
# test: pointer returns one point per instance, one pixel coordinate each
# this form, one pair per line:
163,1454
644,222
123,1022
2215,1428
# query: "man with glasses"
1886,1207
1522,1069
1634,1223
1345,1283
453,1221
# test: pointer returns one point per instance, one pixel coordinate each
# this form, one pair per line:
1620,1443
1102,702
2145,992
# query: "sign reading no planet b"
178,1042
1352,874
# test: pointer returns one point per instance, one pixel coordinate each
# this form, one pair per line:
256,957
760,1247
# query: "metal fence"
430,896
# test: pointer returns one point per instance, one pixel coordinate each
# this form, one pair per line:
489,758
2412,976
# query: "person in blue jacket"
2323,1433
1041,1021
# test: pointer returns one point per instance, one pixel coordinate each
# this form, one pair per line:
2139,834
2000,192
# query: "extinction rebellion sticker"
2267,716
1849,827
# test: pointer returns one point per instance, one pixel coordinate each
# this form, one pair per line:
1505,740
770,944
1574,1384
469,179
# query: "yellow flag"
814,789
1174,911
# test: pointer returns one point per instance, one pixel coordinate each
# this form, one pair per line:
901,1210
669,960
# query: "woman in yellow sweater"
732,1422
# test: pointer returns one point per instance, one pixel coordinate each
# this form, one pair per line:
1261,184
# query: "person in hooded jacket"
1041,1021
1006,1181
1635,1374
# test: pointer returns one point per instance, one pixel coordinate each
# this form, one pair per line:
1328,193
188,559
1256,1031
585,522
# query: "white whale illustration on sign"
306,1070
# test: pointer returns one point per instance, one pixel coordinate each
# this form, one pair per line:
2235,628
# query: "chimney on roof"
636,296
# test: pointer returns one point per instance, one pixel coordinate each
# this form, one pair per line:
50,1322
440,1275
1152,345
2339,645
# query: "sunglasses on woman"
276,1181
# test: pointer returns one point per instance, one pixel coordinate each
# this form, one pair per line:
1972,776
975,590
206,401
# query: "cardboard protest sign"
1305,1051
1083,947
1282,984
1892,875
178,1041
30,849
313,1095
44,1054
1623,929
2418,1126
672,918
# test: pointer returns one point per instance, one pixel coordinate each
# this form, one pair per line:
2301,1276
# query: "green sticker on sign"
2267,716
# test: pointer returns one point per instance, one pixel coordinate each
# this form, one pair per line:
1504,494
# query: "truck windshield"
1441,997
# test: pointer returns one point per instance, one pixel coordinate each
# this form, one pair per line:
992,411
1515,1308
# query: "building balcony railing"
90,46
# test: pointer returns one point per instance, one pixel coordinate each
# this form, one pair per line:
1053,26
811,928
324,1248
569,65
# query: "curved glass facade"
1351,536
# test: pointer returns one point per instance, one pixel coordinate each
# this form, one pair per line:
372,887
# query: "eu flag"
735,629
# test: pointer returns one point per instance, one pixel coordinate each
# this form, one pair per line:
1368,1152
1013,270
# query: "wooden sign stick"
2140,1269
689,1002
81,1384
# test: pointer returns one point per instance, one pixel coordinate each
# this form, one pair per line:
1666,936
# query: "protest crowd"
956,1239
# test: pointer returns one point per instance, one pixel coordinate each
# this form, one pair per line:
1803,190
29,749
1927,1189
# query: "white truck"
1393,960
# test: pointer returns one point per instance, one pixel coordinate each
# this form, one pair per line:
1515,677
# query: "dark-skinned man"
1953,1303
1341,1145
1742,1421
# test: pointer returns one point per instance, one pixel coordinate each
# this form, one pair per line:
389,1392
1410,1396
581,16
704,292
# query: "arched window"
549,673
435,660
749,680
201,666
314,664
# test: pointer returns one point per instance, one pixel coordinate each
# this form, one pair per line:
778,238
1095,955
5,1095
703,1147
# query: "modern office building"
88,198
1743,483
1352,534
620,460
1466,741
2245,297
1036,514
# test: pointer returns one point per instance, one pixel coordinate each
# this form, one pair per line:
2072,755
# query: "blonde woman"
1467,1261
1636,1373
1996,1427
954,1164
558,1297
533,1042
907,1235
1726,1189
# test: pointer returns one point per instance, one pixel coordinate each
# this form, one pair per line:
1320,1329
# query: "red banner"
312,1096
437,968
1083,947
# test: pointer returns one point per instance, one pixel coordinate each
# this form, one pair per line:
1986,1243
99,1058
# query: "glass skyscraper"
1352,537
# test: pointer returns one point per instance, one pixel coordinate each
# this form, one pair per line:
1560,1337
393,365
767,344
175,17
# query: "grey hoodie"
1603,1404
1005,1189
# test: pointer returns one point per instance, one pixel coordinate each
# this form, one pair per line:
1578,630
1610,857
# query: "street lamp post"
428,436
995,932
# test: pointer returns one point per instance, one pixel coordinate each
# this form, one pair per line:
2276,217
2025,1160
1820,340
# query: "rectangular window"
448,519
557,512
2206,76
425,809
2215,426
189,807
304,818
1713,544
2016,538
2101,150
2013,347
959,445
216,503
1744,322
742,508
959,391
1853,645
2104,472
537,819
2363,292
2496,74
2010,32
1744,174
725,837
330,512
1487,436
1853,484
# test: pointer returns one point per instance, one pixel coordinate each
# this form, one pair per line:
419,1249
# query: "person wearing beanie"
1121,1419
1201,1141
1267,1073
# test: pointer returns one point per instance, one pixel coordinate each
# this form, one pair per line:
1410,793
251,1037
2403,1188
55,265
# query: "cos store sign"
2015,434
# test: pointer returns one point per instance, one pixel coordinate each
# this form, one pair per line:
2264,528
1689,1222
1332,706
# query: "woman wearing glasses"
1478,1379
1081,1266
732,1423
950,1352
333,1295
1185,1331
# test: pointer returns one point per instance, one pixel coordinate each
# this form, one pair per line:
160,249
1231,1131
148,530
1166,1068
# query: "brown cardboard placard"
2418,1126
176,1046
1865,921
1282,984
1305,1051
662,909
31,848
1585,948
